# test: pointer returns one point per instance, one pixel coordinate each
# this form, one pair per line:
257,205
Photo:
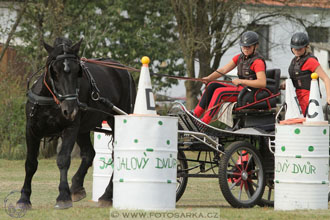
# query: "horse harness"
38,100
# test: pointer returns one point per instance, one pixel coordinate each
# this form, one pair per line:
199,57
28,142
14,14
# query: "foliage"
12,120
111,28
207,29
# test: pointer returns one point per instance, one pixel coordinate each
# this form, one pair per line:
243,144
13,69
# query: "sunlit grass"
200,193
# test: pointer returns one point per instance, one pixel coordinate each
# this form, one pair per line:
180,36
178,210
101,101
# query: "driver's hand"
328,100
237,81
206,80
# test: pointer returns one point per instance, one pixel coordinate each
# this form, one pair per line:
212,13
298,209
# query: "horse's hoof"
25,206
77,196
63,205
104,203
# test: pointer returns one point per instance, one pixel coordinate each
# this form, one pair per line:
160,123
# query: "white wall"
7,19
322,56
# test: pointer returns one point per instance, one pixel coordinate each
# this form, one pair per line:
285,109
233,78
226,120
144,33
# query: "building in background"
322,52
9,63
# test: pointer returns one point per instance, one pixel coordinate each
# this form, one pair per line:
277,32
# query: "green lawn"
200,193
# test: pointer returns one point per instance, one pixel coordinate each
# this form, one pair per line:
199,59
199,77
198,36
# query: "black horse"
69,100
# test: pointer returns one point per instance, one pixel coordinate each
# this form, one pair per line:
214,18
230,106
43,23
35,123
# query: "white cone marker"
291,100
145,101
314,113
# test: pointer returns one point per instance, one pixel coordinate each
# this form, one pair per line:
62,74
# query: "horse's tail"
132,92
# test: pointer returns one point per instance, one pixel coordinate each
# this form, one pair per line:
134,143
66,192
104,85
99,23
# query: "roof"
292,3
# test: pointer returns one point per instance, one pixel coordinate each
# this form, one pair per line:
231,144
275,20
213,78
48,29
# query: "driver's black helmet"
249,38
299,40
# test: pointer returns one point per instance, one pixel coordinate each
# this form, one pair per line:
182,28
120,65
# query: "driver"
251,68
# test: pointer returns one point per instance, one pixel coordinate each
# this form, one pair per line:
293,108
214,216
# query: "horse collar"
39,100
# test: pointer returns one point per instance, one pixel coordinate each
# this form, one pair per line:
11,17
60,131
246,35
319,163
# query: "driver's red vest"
244,66
301,79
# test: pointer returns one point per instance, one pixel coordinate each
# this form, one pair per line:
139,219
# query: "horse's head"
64,71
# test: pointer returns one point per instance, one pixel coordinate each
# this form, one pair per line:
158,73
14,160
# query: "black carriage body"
207,151
205,155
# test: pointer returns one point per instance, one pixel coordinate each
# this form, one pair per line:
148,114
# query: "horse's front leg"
87,154
69,135
31,165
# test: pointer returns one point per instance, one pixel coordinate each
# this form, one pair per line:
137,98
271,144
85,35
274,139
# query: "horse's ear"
48,47
76,46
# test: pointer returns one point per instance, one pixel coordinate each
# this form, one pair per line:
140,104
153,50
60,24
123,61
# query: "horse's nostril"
65,112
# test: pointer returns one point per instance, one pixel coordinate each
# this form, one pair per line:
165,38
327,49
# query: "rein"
95,91
121,66
110,64
51,92
187,78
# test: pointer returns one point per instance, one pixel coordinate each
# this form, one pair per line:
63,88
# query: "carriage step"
194,123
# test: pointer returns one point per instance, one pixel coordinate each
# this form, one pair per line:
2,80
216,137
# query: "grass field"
200,193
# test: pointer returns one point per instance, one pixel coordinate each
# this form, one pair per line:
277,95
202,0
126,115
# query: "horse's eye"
54,75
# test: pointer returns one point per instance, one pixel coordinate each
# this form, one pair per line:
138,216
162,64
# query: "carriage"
241,157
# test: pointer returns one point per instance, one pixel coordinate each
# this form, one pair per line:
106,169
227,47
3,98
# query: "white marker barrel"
145,162
102,164
301,167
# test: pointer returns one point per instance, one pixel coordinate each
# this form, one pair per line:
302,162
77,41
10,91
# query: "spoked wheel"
182,172
241,175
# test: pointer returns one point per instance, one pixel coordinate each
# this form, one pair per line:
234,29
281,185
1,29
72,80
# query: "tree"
206,32
207,29
111,28
13,29
198,22
44,20
125,32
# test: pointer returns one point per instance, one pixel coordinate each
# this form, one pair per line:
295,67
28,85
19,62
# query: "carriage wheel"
182,172
241,175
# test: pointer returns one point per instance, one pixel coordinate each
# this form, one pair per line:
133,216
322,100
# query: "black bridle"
65,58
57,97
